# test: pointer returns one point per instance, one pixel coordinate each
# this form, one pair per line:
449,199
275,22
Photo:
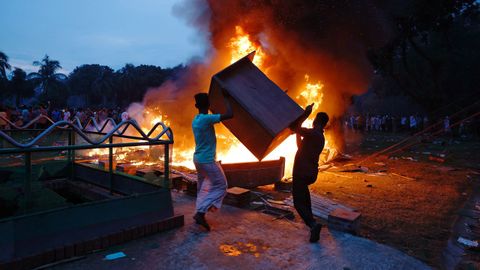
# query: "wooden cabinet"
262,111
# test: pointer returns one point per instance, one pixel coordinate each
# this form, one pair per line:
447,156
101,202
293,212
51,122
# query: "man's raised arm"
229,113
295,126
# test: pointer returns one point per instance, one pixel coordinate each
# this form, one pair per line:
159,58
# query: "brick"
89,245
27,262
133,232
127,235
141,230
59,253
69,251
344,215
8,266
161,226
121,237
49,256
344,220
148,229
97,244
13,265
180,220
105,242
168,223
36,260
80,249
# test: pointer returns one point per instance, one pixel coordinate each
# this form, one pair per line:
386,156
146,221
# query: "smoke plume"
326,40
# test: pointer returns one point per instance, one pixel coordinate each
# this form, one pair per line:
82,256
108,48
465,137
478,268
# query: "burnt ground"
407,201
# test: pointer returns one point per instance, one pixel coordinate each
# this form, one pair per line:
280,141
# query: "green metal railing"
164,136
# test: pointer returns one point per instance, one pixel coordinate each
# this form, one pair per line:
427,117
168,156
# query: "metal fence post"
71,153
166,163
27,183
110,164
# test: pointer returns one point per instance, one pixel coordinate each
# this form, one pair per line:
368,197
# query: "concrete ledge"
84,247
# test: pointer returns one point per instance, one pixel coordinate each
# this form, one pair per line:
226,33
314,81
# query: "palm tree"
4,65
46,77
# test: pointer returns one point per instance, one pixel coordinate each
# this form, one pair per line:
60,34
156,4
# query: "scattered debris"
236,196
284,185
115,256
467,242
278,212
340,175
403,176
409,158
324,167
322,206
276,202
380,163
370,186
446,169
354,168
437,159
257,203
344,220
377,174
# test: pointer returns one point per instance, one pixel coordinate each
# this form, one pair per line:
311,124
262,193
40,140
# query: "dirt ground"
407,201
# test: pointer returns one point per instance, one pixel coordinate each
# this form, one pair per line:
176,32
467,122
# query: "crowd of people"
404,123
22,115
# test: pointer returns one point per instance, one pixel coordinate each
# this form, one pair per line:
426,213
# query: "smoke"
328,40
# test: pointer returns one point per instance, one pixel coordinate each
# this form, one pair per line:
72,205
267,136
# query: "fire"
241,45
229,149
311,93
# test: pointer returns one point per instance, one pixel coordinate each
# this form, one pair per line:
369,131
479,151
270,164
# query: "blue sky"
107,32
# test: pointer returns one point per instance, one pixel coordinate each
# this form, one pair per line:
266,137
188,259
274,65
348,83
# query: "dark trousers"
301,198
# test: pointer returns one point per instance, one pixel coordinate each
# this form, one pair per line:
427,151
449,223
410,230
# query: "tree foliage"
433,54
47,79
19,85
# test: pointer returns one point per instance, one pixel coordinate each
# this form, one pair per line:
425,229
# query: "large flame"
229,149
241,45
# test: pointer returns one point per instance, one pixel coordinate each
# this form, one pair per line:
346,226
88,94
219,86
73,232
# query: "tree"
126,84
94,82
134,81
47,78
19,85
431,55
4,65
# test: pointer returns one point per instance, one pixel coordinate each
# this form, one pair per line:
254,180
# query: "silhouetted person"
212,183
310,143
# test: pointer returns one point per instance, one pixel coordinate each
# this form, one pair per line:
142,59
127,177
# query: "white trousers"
211,186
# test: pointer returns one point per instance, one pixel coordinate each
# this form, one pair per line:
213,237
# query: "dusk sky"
107,32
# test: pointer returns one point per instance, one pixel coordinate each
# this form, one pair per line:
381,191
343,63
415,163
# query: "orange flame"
229,149
241,45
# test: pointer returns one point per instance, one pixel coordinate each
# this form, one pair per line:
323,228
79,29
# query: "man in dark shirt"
305,166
